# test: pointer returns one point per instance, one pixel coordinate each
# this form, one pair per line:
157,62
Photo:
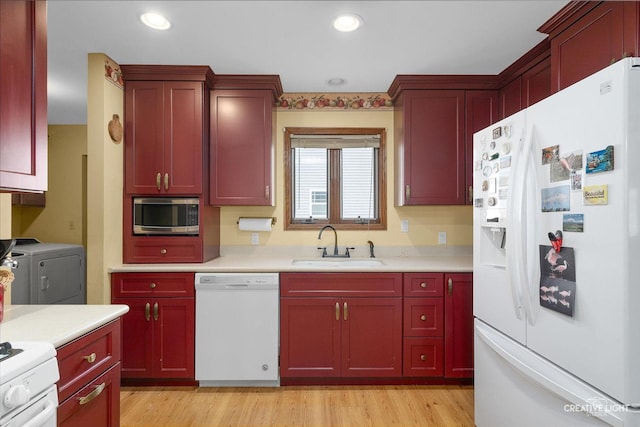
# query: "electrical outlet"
404,226
442,237
255,239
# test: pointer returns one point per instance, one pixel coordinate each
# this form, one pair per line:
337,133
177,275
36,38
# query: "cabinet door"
601,33
137,338
371,337
481,111
536,83
23,104
310,337
173,337
433,163
458,326
183,137
241,147
96,405
511,98
144,139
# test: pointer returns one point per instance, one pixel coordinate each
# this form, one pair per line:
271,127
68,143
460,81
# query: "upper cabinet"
243,139
587,36
435,118
23,96
166,129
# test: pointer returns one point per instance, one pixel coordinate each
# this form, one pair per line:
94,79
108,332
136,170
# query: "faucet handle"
324,251
347,251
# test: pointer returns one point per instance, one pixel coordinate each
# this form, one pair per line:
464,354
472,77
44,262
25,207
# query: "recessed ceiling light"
155,21
347,22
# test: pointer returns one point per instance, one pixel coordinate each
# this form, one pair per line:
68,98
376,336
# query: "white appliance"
28,394
237,329
557,332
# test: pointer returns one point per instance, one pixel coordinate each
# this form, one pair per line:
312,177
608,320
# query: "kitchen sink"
337,262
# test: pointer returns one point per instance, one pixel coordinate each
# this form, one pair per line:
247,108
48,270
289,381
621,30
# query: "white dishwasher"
237,329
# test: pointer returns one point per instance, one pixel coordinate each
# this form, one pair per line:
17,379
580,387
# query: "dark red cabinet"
158,331
336,325
242,147
164,137
430,147
458,325
23,104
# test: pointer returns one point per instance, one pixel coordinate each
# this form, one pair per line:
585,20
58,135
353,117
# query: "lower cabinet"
458,326
341,325
89,386
158,331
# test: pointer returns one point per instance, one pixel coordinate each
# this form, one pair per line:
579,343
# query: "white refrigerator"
557,258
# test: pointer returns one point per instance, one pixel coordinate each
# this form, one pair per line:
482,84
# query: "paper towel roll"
255,224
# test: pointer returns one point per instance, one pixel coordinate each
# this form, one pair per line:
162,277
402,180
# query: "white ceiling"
294,39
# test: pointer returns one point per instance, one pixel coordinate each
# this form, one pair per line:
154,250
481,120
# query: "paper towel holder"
273,219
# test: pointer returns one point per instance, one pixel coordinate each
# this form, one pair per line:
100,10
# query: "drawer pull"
163,251
166,181
95,393
450,287
158,181
345,310
423,285
337,311
152,285
155,311
90,358
423,357
423,317
147,311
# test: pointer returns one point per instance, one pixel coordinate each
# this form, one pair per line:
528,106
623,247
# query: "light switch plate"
442,237
255,239
404,226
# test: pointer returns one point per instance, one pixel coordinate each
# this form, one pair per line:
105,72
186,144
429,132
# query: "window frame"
334,182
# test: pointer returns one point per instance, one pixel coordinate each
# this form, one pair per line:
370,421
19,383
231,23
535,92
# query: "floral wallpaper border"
112,72
334,101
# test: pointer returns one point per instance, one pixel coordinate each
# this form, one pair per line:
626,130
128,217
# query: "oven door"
40,411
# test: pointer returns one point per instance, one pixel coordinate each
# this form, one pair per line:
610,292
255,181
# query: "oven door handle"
47,414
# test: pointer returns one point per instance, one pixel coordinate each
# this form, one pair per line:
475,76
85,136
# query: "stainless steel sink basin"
338,262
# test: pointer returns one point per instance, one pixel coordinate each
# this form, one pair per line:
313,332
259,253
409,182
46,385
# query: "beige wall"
424,221
104,182
62,219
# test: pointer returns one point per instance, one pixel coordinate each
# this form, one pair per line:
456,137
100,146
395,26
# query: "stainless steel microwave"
166,216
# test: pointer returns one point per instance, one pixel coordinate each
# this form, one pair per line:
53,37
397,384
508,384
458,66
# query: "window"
335,176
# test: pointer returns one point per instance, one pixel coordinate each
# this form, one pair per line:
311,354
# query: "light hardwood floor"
339,406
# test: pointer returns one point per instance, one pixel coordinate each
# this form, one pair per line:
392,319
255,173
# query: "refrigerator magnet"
600,161
556,199
550,154
557,280
573,223
576,181
596,194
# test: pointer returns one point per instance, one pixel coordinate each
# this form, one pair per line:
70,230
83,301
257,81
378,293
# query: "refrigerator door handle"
552,378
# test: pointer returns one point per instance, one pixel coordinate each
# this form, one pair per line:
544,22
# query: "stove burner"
6,351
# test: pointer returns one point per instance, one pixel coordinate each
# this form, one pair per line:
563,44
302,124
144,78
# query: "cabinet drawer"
423,317
97,404
86,357
145,285
423,357
341,284
423,284
163,250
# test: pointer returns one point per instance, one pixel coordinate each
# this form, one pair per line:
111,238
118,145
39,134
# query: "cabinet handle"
423,357
158,181
266,192
152,285
450,287
407,193
423,285
423,317
147,311
95,393
337,311
471,193
90,358
155,311
163,251
345,310
166,181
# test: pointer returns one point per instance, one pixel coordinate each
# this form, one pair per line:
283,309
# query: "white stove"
28,394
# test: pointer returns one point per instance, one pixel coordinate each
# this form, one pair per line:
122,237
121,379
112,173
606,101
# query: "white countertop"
274,260
57,324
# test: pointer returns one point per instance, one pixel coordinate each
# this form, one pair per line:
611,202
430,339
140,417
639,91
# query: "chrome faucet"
335,244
